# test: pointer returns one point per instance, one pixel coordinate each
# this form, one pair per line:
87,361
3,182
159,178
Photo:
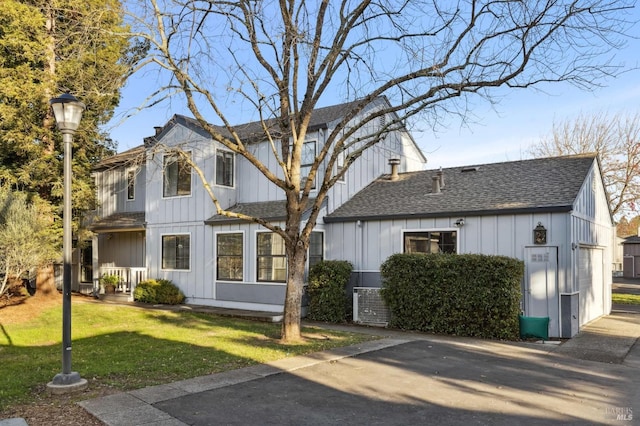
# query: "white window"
272,258
229,259
306,161
340,165
430,242
131,184
177,176
176,251
224,168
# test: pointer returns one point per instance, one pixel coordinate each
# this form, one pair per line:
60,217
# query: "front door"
541,285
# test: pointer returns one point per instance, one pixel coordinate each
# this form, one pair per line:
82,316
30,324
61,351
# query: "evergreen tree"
48,47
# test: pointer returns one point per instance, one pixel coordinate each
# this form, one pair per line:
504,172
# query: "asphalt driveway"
410,378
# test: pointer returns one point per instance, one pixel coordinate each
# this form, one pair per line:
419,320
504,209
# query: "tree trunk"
296,259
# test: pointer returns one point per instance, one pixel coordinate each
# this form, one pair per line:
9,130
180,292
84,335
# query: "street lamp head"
68,112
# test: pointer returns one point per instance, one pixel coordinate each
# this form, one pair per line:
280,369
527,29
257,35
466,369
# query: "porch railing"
129,278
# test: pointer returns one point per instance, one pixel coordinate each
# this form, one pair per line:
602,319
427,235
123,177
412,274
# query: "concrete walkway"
408,378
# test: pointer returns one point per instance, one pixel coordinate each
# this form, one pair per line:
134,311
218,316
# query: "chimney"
158,129
435,184
441,177
394,163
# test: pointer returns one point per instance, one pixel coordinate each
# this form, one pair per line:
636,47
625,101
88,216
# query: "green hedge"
158,291
460,294
327,290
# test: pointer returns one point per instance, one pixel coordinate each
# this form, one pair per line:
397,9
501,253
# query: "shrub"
466,295
158,291
327,290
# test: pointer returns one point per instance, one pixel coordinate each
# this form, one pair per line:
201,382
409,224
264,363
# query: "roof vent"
394,162
440,175
435,185
470,169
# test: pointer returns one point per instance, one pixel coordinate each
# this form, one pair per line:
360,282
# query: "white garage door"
591,284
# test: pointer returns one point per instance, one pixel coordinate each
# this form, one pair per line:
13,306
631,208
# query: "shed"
631,257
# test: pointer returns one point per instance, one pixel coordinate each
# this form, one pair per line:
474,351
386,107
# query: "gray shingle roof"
546,184
131,156
129,221
268,210
253,131
635,239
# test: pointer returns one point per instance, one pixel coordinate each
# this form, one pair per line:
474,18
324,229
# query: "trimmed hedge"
460,294
158,291
327,290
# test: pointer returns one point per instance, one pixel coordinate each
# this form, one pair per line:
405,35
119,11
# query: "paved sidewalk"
410,378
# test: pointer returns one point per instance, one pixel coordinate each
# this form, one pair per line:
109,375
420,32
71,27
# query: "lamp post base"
67,383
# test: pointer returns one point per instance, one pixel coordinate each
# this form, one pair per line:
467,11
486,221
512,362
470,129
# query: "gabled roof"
538,185
129,221
634,239
271,211
129,157
253,131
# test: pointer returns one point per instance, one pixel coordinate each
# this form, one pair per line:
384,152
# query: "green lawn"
127,347
629,299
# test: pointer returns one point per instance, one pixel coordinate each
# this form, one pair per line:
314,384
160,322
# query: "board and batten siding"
367,244
111,188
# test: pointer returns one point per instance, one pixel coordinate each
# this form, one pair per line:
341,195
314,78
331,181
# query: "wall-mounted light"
539,234
459,223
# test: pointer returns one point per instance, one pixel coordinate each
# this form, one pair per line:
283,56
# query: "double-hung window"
229,260
176,176
272,258
224,168
430,242
316,248
176,251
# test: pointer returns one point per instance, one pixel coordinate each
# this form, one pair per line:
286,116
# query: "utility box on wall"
570,314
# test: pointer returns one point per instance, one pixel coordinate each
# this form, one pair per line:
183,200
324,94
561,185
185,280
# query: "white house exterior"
493,209
156,220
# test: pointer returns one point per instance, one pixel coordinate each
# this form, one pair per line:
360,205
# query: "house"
552,213
156,219
631,256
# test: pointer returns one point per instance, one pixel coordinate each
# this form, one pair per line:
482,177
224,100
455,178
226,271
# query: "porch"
128,279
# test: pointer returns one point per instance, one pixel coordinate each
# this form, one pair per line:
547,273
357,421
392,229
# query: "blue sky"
494,133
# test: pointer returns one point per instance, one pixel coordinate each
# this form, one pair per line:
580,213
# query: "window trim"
244,248
164,156
131,183
436,229
233,172
174,234
257,256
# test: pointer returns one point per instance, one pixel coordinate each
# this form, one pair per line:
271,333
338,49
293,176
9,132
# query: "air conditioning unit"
369,308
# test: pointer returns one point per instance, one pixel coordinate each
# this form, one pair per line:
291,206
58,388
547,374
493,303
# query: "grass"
628,299
128,348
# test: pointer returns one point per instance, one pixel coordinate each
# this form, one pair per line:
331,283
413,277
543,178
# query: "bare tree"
278,61
616,140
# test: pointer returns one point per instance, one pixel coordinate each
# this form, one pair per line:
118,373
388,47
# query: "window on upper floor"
176,251
340,165
229,259
272,258
176,176
430,242
131,184
306,161
224,168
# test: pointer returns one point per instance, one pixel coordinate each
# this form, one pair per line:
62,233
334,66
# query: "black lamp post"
68,113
